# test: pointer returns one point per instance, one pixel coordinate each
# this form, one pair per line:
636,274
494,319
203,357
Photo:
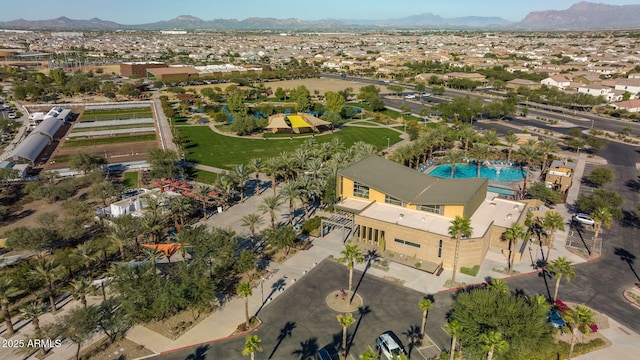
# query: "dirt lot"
114,153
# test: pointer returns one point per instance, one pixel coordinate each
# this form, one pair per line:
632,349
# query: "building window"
440,249
436,209
393,201
360,190
405,242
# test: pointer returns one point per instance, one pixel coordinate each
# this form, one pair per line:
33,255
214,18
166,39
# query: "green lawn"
130,180
204,176
109,140
208,148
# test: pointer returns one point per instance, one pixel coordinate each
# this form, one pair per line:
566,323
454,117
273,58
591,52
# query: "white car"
410,96
389,345
12,115
583,219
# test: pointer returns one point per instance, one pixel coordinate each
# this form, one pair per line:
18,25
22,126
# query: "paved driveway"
298,323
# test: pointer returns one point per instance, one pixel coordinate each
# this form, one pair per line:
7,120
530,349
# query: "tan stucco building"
409,213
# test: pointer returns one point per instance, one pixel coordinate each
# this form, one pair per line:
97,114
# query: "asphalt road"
299,322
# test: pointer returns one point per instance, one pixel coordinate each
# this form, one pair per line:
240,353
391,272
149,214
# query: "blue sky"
146,11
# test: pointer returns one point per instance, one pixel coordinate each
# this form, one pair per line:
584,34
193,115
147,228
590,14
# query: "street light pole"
388,144
262,289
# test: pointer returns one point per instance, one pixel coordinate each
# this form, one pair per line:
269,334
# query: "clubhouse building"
408,213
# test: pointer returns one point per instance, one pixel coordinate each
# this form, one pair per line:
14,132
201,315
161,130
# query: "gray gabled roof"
48,127
31,147
410,186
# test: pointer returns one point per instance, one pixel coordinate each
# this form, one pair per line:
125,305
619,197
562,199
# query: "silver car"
583,219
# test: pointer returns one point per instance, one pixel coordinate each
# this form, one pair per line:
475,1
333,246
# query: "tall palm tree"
512,235
290,192
80,288
351,255
31,312
467,135
602,217
345,321
87,252
552,221
241,173
560,268
527,154
251,345
225,184
257,165
252,221
49,272
425,305
454,329
151,226
181,206
480,152
121,236
153,255
271,168
511,139
270,205
460,227
453,157
7,292
493,341
580,319
490,137
547,146
245,290
315,167
202,192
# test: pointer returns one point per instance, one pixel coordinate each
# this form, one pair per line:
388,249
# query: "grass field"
99,115
130,180
202,176
208,148
109,140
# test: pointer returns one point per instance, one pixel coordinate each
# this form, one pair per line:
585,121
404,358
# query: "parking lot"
298,323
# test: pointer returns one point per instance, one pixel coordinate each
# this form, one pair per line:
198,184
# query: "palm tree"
244,290
345,321
579,318
467,134
511,139
499,285
453,157
151,225
527,154
561,267
454,329
48,272
202,192
290,192
490,137
602,217
31,312
512,235
480,152
460,227
87,252
241,174
552,221
80,288
7,292
271,168
425,305
314,167
121,236
270,205
153,255
181,206
493,341
251,345
257,165
350,256
252,221
547,146
308,190
369,354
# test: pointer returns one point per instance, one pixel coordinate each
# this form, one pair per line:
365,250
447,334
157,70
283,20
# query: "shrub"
311,225
470,271
563,348
418,264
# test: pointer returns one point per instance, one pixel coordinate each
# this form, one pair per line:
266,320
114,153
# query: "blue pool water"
505,174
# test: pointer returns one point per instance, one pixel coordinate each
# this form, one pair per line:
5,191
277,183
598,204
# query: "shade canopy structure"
30,148
295,123
166,249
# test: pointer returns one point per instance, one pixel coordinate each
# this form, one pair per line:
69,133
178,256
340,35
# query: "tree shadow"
413,336
370,256
545,275
627,257
284,333
307,350
630,219
362,311
634,184
199,354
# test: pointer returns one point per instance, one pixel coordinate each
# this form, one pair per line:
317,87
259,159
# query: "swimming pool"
493,173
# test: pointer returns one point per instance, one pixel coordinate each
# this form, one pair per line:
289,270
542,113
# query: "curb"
213,341
484,282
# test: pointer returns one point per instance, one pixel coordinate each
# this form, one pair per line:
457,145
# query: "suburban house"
630,85
558,81
524,83
406,212
629,105
600,90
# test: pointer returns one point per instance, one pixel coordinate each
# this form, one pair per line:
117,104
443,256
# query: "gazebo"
295,123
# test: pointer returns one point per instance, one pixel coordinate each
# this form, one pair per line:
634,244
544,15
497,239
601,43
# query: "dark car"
327,353
556,320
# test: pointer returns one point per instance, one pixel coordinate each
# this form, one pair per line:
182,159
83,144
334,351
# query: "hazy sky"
146,11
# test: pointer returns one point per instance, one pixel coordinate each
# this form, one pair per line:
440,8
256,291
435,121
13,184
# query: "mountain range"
580,16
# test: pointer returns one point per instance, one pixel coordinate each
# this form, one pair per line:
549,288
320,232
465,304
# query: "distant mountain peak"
188,18
583,16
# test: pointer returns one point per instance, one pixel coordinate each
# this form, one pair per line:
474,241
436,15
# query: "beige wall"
472,251
451,211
